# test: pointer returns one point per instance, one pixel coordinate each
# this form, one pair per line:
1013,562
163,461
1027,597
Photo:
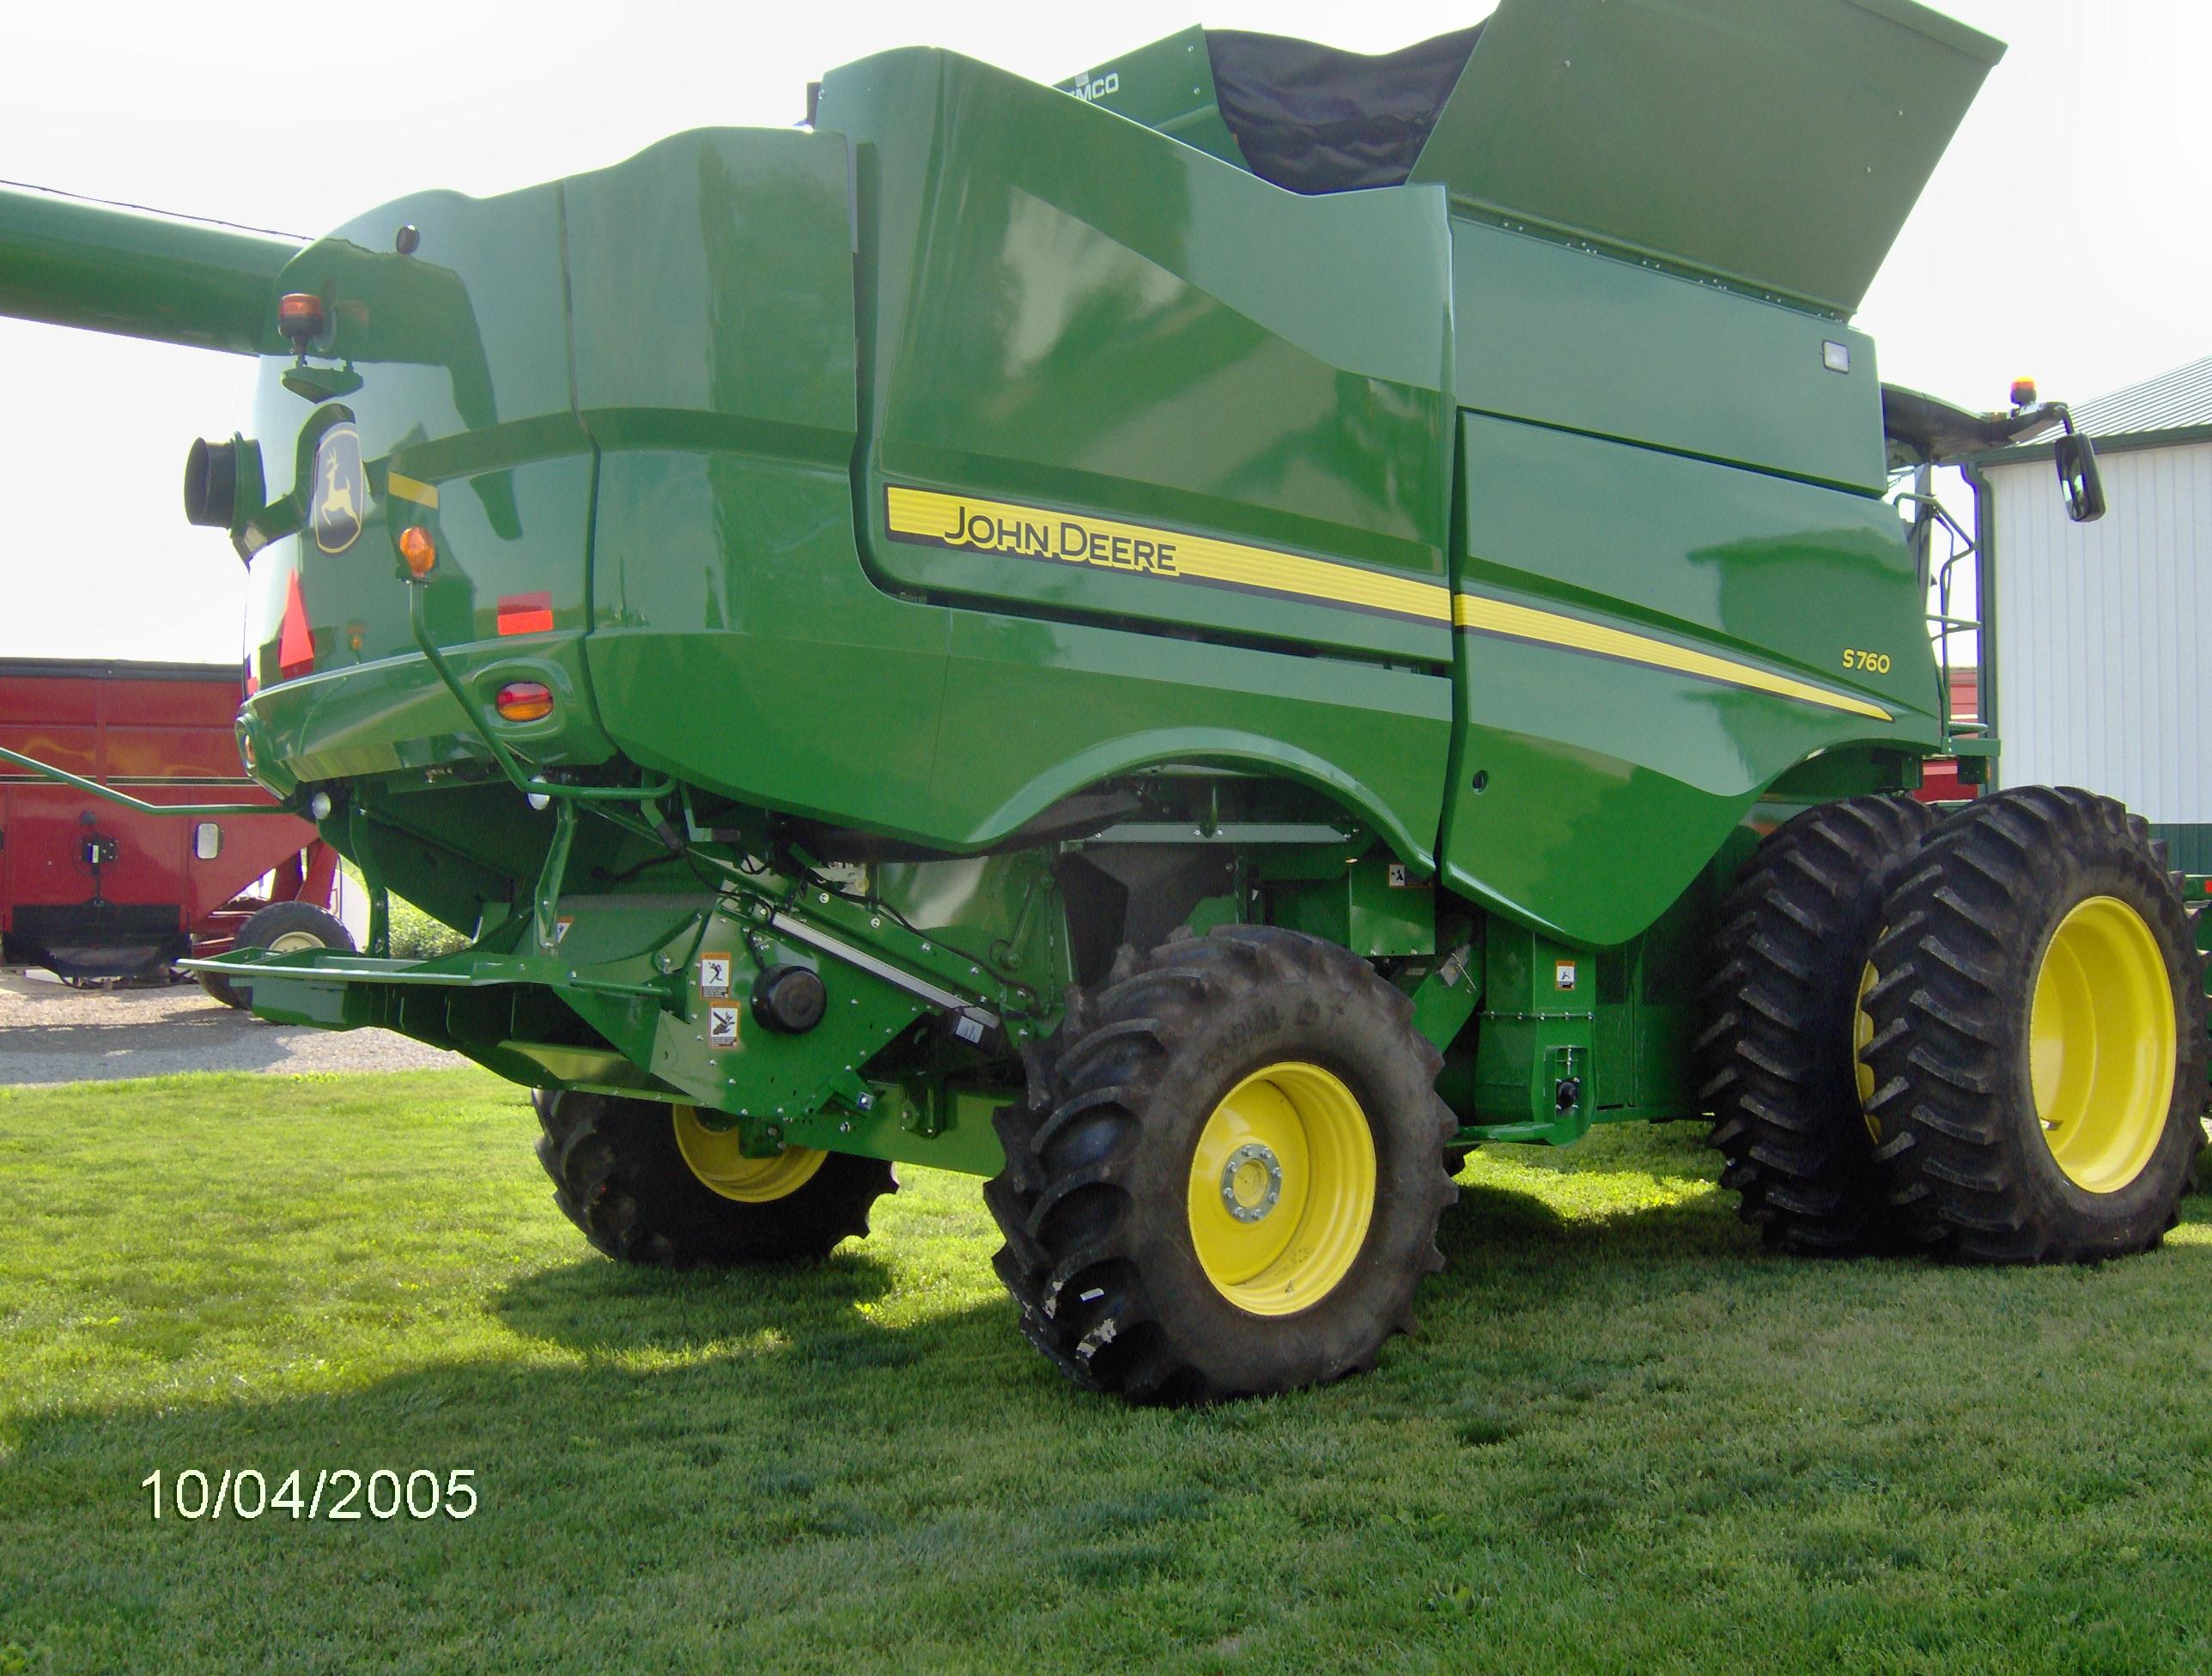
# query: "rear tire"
628,1172
2038,1034
1227,1177
284,926
1775,1061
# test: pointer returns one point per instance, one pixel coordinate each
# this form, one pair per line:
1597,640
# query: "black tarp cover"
1312,118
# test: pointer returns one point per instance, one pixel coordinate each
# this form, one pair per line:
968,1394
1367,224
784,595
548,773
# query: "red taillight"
300,317
524,700
526,613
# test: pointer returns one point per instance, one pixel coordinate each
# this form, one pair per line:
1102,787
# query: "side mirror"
2079,480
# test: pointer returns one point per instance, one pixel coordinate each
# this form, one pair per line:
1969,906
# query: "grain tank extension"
1192,656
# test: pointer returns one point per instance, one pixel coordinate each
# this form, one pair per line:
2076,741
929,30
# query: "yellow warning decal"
406,488
1487,616
968,524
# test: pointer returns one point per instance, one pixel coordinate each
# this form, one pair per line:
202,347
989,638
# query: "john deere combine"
1185,651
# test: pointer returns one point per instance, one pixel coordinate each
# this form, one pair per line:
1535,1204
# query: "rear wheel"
651,1183
1227,1178
2035,1035
282,928
1775,1058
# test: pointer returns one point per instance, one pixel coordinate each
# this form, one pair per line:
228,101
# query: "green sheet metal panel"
1647,642
1591,342
1037,710
1777,144
712,274
742,644
1068,314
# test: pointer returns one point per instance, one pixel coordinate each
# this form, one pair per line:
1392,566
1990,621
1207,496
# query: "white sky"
2066,233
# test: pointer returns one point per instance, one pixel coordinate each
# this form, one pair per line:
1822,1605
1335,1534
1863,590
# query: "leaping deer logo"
338,489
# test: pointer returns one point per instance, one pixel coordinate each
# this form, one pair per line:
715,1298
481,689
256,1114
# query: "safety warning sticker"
714,975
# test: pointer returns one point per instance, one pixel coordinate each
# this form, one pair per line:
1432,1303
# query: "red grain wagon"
92,890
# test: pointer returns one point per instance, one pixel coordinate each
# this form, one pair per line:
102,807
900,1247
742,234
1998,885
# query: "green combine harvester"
1193,644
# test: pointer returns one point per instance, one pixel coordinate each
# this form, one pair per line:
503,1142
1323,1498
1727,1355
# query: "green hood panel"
1780,146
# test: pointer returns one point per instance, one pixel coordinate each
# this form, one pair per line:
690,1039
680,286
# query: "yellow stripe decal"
423,495
967,524
1523,622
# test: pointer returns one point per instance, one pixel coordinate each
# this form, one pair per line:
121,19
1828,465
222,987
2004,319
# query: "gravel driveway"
52,1033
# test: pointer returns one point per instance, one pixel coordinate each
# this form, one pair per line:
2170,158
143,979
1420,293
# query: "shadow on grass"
601,1308
1489,1222
819,1312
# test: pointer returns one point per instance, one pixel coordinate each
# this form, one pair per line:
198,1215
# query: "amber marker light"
524,700
418,549
300,317
2023,393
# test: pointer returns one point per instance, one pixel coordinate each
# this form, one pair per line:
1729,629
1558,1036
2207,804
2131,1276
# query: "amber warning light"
524,700
418,549
300,317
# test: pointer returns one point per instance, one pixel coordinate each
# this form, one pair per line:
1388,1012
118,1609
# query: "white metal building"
2102,628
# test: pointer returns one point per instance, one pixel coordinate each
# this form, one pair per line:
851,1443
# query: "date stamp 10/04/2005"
333,1493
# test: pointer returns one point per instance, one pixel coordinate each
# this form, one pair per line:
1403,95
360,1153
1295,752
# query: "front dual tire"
2035,1035
1984,1039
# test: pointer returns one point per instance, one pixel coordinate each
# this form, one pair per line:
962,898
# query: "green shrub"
417,936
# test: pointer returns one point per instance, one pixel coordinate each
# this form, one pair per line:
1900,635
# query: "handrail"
201,811
1943,623
529,784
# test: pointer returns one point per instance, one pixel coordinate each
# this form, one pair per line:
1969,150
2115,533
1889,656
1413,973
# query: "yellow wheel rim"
293,941
1282,1188
719,1163
2101,1038
1862,1039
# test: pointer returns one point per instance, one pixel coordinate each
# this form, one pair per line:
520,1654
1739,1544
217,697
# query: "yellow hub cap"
2101,1038
1282,1188
717,1160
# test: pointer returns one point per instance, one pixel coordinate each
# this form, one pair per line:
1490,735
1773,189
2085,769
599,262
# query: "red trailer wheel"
281,927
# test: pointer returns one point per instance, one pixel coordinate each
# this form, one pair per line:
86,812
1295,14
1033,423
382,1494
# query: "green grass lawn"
1626,1440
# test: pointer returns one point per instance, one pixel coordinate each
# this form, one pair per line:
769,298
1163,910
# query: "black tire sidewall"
282,919
1347,1033
1778,1056
678,1219
2134,1215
